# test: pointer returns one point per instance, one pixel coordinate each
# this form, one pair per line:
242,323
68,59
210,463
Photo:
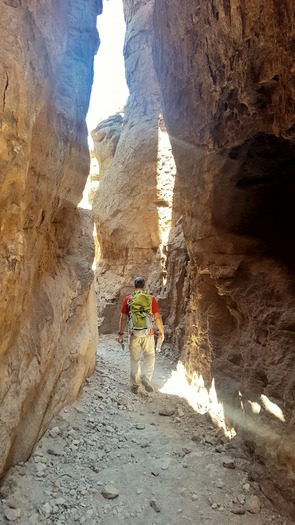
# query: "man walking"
141,309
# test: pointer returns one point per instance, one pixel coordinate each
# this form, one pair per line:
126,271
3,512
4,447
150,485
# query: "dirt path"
112,458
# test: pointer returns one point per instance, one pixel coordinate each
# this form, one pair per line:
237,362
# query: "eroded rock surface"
48,326
226,73
132,207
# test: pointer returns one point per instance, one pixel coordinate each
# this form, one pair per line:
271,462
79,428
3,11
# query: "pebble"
54,451
47,508
166,412
123,400
60,501
79,410
155,505
34,519
110,492
209,440
238,510
229,464
140,426
40,468
54,432
155,472
165,463
12,514
253,505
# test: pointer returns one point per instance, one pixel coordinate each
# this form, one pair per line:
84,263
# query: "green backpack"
140,308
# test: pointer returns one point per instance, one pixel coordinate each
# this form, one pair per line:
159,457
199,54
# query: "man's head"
139,282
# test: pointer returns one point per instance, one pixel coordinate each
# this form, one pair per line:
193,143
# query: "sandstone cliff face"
48,327
132,207
226,72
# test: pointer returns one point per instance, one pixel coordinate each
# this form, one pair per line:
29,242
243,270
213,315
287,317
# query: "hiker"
141,309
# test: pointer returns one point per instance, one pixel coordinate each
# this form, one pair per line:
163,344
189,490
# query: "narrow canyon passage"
114,457
192,188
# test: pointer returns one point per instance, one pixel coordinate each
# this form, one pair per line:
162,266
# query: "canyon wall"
132,207
48,318
227,77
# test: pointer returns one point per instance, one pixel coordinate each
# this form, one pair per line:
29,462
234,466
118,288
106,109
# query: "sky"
109,91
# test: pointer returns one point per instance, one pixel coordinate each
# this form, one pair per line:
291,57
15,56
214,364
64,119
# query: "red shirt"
125,307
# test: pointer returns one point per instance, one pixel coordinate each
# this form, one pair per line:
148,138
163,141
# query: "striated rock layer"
47,311
227,77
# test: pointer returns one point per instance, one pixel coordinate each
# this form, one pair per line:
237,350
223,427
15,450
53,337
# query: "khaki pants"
145,344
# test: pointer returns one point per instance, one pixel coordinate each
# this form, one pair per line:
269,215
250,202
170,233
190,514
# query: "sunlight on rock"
197,395
255,407
91,185
272,408
166,171
84,202
97,249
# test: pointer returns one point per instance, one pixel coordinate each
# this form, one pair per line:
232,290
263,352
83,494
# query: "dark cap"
139,282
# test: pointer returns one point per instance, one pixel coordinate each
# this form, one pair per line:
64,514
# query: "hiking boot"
147,384
135,389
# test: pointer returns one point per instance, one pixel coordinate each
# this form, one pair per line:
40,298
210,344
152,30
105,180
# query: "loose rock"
166,412
238,510
229,464
12,514
140,426
155,506
253,505
110,492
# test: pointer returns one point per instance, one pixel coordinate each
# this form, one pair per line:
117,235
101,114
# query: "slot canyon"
195,192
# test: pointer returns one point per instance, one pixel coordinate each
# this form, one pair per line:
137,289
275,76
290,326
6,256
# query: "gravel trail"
114,457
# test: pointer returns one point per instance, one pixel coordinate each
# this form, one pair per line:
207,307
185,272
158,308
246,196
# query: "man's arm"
159,325
122,324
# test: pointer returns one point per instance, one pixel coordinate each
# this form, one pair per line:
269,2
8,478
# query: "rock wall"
226,72
48,324
132,207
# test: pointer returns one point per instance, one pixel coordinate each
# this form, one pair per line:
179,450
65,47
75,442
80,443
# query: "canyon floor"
114,457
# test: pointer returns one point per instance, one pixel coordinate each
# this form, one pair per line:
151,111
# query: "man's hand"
160,326
161,336
120,339
160,340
